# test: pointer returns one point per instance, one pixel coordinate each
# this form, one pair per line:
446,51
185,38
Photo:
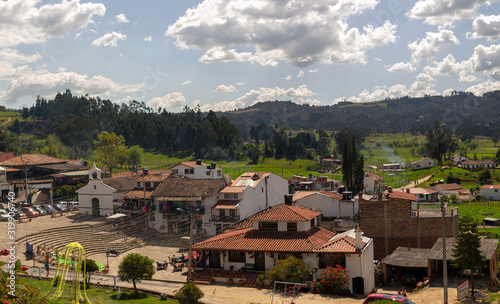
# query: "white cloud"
402,67
240,83
484,87
448,66
148,38
172,101
313,71
446,12
226,89
187,82
312,102
487,27
109,39
28,22
486,59
287,77
269,31
121,18
301,74
430,46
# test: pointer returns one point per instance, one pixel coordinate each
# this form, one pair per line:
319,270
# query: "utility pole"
190,241
445,260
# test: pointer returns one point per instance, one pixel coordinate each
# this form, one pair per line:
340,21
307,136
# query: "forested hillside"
464,112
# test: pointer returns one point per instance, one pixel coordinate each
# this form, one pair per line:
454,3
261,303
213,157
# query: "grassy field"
99,295
479,211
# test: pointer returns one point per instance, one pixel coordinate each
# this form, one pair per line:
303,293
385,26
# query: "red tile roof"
189,187
190,164
137,194
294,213
402,195
121,183
152,178
446,187
490,187
226,204
6,156
32,160
342,244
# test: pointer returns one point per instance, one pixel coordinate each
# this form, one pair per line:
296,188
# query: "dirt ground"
213,293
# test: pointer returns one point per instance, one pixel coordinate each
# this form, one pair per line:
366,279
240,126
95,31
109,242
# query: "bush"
332,280
189,294
291,269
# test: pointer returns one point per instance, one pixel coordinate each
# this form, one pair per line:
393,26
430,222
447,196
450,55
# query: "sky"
223,55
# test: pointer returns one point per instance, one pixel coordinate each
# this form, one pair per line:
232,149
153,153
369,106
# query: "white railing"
419,210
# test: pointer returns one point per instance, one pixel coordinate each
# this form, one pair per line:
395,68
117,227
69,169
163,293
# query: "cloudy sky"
227,54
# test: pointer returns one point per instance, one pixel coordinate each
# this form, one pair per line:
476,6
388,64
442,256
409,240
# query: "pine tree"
466,251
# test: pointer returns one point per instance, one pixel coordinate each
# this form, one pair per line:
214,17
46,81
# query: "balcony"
423,210
225,218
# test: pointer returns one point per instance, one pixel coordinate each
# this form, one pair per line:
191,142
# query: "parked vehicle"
4,215
40,210
29,211
49,208
409,279
63,203
375,297
59,208
73,205
19,214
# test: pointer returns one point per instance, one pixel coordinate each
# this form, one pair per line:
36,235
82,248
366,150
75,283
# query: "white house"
248,194
492,192
280,231
373,182
331,205
458,159
423,163
450,189
197,170
424,194
474,164
100,197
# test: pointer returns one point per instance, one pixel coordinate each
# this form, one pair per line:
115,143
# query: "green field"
99,295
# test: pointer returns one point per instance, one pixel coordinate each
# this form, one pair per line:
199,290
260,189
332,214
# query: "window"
222,212
138,184
272,226
189,171
151,184
291,226
219,173
232,212
230,195
175,171
237,256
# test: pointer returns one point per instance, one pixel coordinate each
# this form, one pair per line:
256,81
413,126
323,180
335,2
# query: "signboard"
463,289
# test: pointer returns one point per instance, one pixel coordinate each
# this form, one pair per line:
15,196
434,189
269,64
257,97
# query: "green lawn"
479,211
98,295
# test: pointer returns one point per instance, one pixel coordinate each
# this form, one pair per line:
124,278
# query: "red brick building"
398,220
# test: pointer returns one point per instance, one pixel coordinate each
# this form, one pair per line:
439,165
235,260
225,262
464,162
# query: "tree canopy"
438,142
134,268
111,149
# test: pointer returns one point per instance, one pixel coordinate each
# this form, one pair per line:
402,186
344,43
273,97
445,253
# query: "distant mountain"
390,115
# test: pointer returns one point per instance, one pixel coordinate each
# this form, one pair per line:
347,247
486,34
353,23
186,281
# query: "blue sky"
223,55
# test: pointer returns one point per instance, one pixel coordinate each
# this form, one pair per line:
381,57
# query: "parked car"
19,214
73,205
63,203
29,211
59,208
375,297
409,279
4,215
49,208
40,210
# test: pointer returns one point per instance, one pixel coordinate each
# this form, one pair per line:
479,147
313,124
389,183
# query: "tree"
484,176
291,269
345,135
16,128
54,147
134,268
352,167
495,137
498,155
135,154
438,141
189,294
110,149
90,268
466,251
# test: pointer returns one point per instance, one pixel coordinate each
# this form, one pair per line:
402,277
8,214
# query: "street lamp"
190,241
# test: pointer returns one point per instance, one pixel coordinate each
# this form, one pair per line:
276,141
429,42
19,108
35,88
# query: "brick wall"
389,223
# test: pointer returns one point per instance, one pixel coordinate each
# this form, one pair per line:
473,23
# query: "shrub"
189,294
291,269
31,294
332,280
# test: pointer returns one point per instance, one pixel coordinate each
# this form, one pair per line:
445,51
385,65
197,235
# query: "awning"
179,198
226,204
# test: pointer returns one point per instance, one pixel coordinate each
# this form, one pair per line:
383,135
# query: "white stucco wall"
361,265
492,194
329,206
96,189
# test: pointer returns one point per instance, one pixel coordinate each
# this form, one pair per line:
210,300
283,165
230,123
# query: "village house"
196,196
423,194
331,205
280,231
312,183
248,194
372,182
101,197
399,220
491,192
197,170
451,189
423,163
475,164
458,159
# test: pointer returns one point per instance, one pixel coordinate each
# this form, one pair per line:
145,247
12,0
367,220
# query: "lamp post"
190,241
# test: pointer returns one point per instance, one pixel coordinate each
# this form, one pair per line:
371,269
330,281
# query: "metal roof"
488,248
408,257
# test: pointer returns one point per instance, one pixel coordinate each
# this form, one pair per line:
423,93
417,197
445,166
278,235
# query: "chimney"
214,165
145,171
288,199
198,162
358,241
407,190
380,196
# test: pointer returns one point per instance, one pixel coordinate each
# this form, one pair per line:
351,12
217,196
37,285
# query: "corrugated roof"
294,213
488,248
408,257
189,187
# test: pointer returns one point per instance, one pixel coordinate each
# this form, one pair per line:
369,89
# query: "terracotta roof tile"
294,213
137,194
452,186
31,160
331,194
189,187
402,195
490,187
121,183
152,178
